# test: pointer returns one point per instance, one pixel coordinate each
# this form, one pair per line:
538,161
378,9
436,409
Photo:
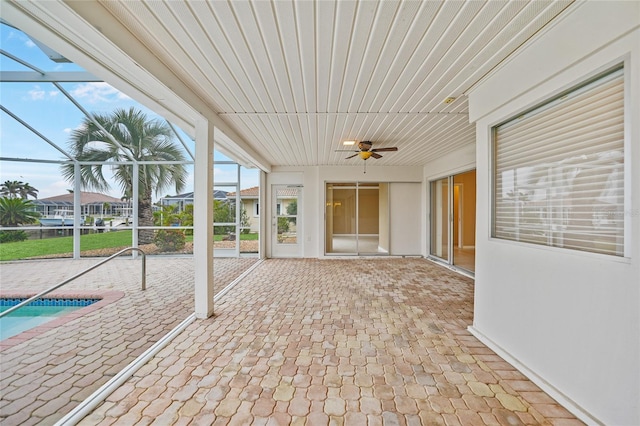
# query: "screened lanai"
45,99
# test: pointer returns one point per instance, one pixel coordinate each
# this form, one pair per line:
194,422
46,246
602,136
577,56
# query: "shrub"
169,240
12,236
283,225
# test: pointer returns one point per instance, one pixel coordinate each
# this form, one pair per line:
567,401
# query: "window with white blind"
559,170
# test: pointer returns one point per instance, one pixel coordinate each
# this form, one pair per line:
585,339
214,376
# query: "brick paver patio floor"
316,342
43,378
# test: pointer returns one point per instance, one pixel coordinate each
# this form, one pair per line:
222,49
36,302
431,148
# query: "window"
559,168
256,209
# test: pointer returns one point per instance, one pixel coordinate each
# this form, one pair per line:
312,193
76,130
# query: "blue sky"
47,109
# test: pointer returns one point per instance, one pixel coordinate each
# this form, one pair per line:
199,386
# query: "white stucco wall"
313,180
569,320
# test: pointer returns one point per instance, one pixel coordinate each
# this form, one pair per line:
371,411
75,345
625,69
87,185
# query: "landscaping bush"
283,225
169,240
12,236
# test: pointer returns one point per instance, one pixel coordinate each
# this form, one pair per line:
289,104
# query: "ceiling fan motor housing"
364,145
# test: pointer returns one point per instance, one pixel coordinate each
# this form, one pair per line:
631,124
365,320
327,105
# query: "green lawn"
59,245
49,246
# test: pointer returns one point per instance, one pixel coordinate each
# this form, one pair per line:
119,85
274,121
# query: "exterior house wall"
569,320
313,180
249,205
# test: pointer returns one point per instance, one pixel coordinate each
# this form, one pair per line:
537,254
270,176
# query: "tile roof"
85,198
252,192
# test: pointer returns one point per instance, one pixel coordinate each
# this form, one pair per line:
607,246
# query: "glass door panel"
287,215
357,218
341,219
440,218
368,219
287,227
453,220
464,220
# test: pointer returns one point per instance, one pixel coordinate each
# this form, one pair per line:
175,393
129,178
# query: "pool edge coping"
106,297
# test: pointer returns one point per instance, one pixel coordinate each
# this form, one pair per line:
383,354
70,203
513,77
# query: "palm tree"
10,188
27,190
13,188
140,139
16,211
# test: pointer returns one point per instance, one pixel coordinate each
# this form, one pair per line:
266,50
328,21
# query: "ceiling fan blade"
374,155
346,150
351,156
395,148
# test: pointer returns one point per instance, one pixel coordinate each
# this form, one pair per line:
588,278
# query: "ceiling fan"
365,151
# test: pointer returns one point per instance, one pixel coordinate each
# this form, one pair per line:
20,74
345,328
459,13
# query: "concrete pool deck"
297,341
45,377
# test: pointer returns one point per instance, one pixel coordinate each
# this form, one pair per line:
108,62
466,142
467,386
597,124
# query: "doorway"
286,236
357,218
453,220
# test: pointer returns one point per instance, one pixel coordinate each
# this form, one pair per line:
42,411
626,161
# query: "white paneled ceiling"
296,78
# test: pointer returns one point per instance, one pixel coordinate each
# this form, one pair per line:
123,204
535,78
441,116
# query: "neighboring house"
249,200
181,200
250,203
92,204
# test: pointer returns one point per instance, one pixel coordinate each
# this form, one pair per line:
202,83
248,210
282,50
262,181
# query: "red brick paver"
317,342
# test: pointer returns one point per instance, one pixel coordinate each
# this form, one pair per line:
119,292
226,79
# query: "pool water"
31,316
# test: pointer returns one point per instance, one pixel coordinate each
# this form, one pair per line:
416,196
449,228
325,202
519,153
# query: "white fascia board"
48,77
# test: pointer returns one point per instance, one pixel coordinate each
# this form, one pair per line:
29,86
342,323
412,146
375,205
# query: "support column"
77,207
203,219
264,227
135,196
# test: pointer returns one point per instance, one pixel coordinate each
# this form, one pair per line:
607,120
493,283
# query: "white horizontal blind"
559,171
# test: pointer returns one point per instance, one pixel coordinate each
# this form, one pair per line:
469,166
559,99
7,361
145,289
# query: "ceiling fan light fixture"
365,155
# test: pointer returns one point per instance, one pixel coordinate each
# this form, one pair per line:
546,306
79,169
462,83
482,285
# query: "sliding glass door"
353,218
440,218
453,220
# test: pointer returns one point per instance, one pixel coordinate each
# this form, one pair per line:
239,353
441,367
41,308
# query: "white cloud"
36,93
57,187
39,94
97,92
69,129
29,43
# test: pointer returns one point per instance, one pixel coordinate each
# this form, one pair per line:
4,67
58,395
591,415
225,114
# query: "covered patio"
298,341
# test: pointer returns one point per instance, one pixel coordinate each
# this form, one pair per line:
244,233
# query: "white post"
238,211
264,227
76,210
135,197
203,219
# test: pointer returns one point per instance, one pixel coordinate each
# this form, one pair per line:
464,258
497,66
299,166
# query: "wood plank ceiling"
296,78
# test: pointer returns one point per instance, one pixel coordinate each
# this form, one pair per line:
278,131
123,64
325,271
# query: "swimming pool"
36,313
